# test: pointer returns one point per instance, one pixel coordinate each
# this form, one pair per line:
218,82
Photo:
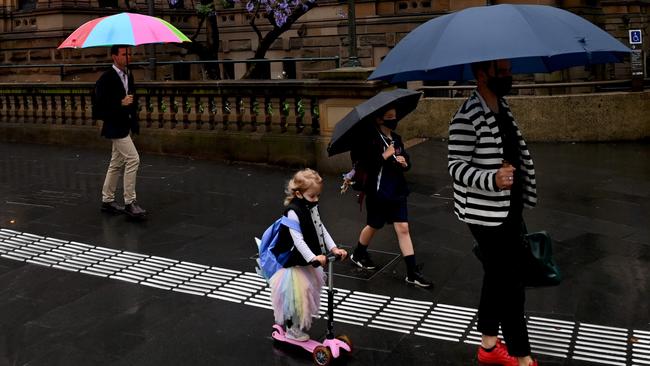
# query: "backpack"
358,175
269,260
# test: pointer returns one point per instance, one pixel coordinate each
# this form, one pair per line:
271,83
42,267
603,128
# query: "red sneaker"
498,356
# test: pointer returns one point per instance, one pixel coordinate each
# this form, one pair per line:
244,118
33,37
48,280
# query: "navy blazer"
118,119
367,156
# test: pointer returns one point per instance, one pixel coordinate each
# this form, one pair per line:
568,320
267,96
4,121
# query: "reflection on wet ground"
594,200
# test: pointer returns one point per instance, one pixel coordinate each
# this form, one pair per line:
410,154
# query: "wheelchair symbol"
635,37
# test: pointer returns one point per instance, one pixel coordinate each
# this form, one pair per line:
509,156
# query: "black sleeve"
369,154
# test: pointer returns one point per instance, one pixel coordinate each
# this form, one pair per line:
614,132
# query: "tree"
210,51
281,14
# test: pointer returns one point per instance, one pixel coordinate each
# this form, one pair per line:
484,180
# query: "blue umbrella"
536,38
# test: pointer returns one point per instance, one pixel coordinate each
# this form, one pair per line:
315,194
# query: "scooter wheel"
322,356
345,339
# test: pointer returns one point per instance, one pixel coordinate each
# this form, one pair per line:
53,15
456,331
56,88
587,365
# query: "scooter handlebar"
330,258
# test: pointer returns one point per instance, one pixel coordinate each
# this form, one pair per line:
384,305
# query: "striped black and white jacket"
475,154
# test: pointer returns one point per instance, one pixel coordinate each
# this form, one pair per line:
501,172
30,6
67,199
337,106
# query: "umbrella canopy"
124,29
536,39
355,124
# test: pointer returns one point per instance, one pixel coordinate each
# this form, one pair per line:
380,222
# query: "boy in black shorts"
385,160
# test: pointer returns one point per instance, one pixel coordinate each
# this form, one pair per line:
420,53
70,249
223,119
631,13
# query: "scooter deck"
280,335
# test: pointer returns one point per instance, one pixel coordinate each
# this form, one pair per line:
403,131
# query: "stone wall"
583,117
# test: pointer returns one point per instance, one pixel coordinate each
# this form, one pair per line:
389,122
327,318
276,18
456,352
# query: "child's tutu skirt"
295,293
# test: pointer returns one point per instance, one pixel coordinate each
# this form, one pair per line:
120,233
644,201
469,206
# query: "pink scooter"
323,353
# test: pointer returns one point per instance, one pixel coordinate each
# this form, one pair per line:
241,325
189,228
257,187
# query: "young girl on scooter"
296,288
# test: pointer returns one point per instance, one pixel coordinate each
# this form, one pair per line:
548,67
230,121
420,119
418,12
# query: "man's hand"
128,100
504,176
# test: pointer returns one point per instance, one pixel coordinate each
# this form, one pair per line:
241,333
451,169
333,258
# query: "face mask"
500,85
307,203
310,204
390,123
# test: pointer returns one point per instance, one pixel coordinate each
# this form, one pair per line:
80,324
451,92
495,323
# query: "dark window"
27,4
108,3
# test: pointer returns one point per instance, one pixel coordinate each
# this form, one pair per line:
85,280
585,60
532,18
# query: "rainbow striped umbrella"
124,29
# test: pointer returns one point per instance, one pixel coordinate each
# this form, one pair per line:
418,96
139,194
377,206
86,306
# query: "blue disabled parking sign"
635,36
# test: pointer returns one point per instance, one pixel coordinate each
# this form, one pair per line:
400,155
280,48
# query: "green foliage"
300,108
285,108
204,10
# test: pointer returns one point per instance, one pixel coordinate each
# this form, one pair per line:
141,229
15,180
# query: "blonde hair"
301,182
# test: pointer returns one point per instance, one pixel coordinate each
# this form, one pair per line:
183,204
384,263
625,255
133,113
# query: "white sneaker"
296,334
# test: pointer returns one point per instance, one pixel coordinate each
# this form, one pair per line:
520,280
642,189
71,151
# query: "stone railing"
289,122
260,121
277,106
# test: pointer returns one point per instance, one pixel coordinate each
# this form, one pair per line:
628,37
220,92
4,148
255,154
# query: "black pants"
503,292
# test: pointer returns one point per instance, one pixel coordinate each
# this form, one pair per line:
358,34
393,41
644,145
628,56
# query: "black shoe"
112,207
135,211
416,278
363,261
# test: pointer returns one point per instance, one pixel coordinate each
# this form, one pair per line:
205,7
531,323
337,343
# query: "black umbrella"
357,123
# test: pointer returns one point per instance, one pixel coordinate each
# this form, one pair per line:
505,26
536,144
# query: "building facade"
32,29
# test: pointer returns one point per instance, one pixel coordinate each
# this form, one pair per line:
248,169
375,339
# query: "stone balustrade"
258,121
289,122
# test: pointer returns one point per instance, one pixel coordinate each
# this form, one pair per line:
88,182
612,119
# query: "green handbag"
540,269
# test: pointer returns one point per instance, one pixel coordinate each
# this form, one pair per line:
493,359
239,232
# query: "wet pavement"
78,287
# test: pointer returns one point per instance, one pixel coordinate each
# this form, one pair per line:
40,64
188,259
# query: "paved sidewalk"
78,287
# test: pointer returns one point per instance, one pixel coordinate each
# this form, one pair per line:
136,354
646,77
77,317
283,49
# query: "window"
27,4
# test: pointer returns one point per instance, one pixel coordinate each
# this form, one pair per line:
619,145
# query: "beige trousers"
124,155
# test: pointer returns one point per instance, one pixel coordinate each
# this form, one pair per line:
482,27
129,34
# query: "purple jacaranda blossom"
280,9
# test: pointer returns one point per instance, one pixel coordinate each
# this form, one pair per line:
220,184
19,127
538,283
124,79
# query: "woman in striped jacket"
494,179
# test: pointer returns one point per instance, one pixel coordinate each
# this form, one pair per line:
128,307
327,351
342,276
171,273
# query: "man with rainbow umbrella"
115,103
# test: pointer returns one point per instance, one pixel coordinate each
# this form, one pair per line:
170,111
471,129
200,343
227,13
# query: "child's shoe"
362,260
416,278
497,356
296,334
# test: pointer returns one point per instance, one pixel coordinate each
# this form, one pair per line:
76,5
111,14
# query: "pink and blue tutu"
295,294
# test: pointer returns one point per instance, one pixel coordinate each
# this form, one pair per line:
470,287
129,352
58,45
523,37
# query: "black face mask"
500,85
309,204
390,123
